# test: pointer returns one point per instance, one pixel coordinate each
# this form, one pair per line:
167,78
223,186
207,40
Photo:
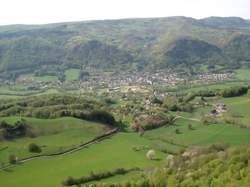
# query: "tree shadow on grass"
156,159
8,170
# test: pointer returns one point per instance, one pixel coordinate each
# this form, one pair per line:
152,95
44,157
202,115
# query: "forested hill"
127,44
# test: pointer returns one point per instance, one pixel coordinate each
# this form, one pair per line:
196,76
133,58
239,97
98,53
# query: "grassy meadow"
72,74
113,153
122,150
53,135
126,149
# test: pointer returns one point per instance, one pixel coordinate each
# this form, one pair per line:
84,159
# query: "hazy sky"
50,11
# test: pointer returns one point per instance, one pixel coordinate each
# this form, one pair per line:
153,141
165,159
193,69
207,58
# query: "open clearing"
72,74
107,155
53,136
118,151
123,150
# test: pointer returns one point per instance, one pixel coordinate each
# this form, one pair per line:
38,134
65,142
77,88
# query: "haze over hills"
129,44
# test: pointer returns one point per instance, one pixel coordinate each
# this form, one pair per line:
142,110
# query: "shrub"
150,122
151,154
109,101
8,131
102,116
33,148
69,181
234,91
155,100
190,127
177,131
12,159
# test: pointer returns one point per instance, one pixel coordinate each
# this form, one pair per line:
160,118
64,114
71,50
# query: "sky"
52,11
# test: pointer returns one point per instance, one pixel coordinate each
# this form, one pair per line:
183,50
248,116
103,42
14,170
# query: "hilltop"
128,44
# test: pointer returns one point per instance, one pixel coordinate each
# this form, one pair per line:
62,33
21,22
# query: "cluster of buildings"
109,80
218,110
115,80
215,76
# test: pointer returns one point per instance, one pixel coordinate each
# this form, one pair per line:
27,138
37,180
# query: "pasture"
72,74
201,134
53,135
125,149
243,74
112,153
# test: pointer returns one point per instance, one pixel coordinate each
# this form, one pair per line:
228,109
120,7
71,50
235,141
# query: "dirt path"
192,119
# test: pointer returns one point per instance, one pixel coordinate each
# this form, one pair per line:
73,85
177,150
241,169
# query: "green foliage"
19,129
174,104
155,100
151,122
234,91
101,116
72,74
84,75
110,101
236,48
70,181
208,167
190,127
189,51
177,131
12,159
34,148
177,41
55,106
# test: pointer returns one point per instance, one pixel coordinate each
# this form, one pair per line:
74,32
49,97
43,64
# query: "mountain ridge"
143,43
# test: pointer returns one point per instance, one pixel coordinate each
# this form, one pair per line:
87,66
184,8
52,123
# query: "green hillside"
122,44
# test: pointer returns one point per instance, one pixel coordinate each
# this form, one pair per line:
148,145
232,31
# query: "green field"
115,152
202,134
243,74
46,78
126,149
72,74
237,108
112,153
52,135
16,90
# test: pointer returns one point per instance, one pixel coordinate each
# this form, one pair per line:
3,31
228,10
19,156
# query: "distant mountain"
238,48
190,52
125,44
99,55
228,22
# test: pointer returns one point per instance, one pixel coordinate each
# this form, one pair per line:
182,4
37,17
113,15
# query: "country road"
191,119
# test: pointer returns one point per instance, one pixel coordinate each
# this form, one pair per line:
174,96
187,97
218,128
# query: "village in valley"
114,81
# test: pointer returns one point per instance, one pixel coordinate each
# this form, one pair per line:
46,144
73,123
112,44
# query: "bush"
190,127
102,116
8,131
151,154
145,122
70,181
110,101
12,159
177,131
33,148
155,100
234,91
